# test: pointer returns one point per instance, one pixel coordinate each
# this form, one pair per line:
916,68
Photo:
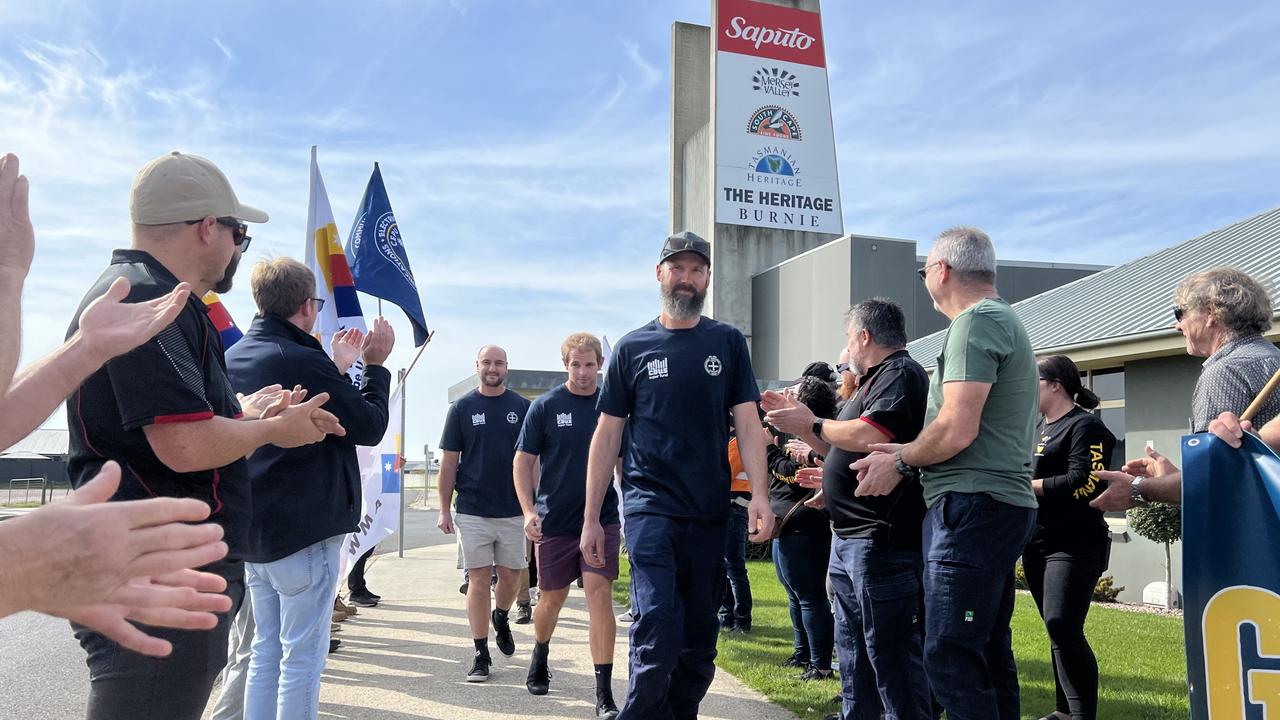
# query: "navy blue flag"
379,263
1231,577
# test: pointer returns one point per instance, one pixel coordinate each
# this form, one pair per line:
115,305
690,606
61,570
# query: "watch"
816,428
904,469
1135,492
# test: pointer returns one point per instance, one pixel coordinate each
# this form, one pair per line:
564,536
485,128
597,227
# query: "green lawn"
1141,657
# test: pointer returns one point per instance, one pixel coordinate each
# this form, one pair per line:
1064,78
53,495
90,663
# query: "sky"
525,144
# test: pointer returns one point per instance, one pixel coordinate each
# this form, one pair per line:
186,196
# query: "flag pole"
400,461
1258,401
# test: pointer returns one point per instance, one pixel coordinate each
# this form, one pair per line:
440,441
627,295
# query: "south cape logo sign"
778,168
1231,579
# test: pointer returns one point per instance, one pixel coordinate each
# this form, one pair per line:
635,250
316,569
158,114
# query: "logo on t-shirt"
477,419
712,365
657,368
512,417
564,419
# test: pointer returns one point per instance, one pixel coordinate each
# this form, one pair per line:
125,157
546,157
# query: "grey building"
1118,326
798,306
42,455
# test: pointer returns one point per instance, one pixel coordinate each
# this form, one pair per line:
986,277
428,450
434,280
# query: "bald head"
491,366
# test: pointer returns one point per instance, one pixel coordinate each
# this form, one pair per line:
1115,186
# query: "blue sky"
524,144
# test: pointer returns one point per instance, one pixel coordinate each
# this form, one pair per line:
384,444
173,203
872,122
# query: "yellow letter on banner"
1224,667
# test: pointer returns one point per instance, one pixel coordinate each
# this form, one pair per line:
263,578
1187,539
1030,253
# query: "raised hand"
305,423
346,346
110,327
17,237
378,343
1153,465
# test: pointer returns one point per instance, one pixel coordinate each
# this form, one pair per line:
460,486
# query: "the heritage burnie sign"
775,154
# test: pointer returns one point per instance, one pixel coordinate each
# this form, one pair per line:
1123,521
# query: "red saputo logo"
773,31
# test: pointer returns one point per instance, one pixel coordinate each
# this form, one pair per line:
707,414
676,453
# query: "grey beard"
683,308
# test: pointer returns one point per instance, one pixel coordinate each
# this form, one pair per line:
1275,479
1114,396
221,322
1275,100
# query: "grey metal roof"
1136,298
45,441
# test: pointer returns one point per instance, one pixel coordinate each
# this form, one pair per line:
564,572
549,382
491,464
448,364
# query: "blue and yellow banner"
1231,577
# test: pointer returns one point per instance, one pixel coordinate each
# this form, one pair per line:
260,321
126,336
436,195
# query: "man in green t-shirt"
974,458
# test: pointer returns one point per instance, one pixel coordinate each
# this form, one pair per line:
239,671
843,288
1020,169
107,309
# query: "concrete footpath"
408,657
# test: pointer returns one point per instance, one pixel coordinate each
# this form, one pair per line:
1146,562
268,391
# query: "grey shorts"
484,541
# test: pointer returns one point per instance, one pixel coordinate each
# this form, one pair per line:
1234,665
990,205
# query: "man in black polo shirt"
876,561
557,437
167,414
479,444
679,379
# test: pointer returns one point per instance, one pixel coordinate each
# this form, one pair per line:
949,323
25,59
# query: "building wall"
819,286
798,310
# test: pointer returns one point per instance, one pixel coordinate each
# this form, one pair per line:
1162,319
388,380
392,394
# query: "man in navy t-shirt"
558,433
677,382
479,443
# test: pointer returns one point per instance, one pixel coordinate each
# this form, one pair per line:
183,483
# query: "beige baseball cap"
178,187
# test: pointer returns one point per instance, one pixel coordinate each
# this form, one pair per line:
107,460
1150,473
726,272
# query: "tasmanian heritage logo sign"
775,81
774,161
774,121
386,238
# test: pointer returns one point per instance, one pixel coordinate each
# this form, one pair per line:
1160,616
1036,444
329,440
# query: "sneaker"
539,679
343,607
740,629
376,597
796,661
627,617
339,616
333,644
605,706
463,587
479,671
502,629
814,673
524,614
363,599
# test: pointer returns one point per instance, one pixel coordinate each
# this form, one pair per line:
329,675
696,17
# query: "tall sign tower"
753,163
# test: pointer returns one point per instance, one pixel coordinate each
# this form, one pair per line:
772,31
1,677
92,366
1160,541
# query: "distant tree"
1160,523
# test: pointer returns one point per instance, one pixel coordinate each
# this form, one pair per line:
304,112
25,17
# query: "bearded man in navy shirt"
675,383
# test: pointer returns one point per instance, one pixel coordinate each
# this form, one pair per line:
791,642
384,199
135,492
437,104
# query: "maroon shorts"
560,559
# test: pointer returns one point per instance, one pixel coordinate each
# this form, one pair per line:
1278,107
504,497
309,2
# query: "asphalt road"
42,670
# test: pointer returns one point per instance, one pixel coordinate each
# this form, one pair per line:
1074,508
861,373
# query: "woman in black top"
802,547
1071,544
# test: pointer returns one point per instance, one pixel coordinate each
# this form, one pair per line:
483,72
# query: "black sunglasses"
1178,313
239,231
923,272
842,367
319,303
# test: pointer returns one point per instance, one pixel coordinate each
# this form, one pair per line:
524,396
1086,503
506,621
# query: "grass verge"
1141,657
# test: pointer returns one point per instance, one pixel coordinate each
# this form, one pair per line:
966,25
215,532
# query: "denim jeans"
879,631
676,585
124,684
230,704
292,606
801,561
971,542
735,603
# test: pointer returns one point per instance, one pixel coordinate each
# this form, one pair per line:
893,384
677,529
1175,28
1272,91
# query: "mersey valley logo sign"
775,81
774,121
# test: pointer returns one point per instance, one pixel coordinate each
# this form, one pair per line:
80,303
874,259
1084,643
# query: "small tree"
1160,523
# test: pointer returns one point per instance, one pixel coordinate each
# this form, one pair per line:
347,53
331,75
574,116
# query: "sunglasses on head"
239,231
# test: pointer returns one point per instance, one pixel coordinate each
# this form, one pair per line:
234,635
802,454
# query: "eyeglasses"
239,231
1178,313
319,303
924,271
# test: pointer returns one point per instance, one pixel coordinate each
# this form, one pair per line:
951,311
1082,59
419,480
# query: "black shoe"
524,614
796,661
539,679
363,599
376,597
463,587
814,673
333,644
502,629
740,629
479,669
605,706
